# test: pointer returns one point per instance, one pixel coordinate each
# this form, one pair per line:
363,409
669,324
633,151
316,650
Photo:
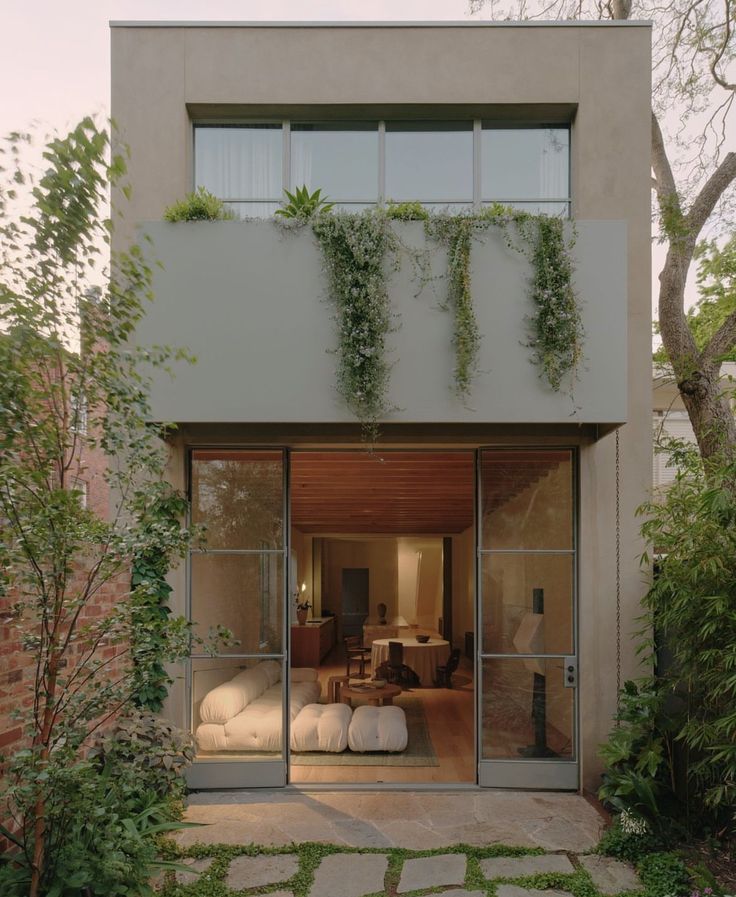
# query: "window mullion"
286,158
381,162
477,137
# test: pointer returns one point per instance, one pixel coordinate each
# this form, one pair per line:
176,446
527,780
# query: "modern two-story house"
493,530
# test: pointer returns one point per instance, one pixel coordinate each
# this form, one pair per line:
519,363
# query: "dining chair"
356,653
443,673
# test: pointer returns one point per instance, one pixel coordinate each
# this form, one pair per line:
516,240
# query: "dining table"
422,657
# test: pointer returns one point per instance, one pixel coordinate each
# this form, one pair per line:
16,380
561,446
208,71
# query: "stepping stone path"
610,876
431,872
349,875
517,867
357,875
254,872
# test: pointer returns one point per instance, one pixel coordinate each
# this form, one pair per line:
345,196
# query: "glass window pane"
341,160
238,498
429,162
240,162
527,712
516,587
527,499
243,593
236,708
525,163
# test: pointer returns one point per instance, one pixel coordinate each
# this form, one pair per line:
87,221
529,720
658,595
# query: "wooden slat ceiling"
403,492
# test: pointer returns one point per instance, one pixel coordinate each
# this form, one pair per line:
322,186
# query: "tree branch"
722,341
711,192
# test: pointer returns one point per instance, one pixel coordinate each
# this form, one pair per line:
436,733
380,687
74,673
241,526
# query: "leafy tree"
717,288
72,386
693,178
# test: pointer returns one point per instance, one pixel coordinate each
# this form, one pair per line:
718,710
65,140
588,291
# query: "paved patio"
416,820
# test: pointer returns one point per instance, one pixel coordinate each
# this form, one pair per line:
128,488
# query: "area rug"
419,751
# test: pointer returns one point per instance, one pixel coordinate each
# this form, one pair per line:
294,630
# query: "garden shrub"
151,749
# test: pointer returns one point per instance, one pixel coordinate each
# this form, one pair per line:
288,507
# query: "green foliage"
154,633
638,756
556,325
355,249
664,875
153,750
455,232
101,836
66,317
304,205
625,841
692,606
716,279
406,211
201,205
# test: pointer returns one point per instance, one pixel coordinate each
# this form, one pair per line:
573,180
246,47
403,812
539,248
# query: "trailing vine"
557,329
455,232
355,250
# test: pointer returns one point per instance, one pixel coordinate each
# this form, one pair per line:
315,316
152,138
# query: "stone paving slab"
432,872
516,891
517,867
197,867
610,876
349,875
274,817
254,872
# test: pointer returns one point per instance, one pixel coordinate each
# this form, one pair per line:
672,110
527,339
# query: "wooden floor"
449,714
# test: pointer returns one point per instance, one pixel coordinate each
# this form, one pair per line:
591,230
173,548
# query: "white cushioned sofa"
244,713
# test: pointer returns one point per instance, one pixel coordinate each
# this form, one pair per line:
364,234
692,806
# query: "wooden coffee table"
375,696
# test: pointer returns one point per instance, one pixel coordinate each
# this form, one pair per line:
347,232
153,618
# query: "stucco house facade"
501,524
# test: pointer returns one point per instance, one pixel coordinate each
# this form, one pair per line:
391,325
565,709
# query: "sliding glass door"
527,619
237,598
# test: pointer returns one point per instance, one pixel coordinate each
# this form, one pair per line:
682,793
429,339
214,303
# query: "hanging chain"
618,570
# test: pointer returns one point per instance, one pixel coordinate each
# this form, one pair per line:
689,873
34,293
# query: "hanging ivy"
455,233
357,250
557,329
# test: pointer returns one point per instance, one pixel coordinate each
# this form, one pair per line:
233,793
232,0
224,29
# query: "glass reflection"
527,499
243,594
525,163
527,604
430,162
238,497
340,159
527,712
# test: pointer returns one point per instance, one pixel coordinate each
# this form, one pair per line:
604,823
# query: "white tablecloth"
423,659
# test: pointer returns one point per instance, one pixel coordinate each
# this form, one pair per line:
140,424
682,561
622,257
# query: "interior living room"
382,548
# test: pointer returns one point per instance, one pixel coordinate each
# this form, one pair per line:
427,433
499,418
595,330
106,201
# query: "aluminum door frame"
227,773
526,773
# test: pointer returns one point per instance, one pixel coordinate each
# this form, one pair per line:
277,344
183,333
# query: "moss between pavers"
212,882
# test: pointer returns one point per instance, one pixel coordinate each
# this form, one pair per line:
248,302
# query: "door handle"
570,672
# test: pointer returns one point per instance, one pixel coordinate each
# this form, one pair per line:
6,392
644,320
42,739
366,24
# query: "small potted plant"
302,606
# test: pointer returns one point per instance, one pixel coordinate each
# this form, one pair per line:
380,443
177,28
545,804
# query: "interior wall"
420,580
301,545
378,555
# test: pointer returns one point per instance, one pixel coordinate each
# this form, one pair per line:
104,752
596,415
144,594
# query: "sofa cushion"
304,674
321,727
378,729
229,699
